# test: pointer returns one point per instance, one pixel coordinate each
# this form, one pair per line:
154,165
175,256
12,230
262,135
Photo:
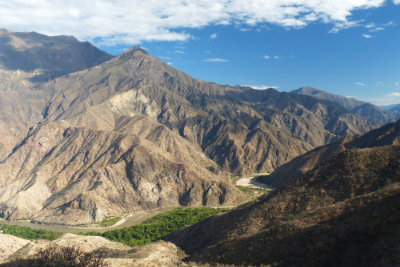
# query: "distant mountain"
374,114
386,135
344,212
49,56
389,107
395,109
28,58
133,133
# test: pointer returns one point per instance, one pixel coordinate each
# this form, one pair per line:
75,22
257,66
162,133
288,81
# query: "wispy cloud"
179,52
213,36
131,22
373,27
377,29
360,84
394,94
215,60
261,87
271,57
367,36
388,99
370,25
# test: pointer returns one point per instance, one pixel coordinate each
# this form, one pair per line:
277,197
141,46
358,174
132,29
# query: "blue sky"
351,48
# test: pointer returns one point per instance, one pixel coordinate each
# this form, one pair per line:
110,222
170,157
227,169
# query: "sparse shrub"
64,256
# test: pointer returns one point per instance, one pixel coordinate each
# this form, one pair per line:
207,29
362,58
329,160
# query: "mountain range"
377,115
86,135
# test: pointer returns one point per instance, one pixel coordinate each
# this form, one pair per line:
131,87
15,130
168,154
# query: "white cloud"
377,29
261,87
389,99
344,25
394,94
213,36
269,57
215,60
179,52
370,25
360,84
397,84
134,21
396,2
367,36
373,27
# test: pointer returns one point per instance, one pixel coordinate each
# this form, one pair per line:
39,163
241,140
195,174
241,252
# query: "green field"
150,230
158,226
28,233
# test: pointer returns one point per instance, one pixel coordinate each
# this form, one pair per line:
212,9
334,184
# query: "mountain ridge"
373,113
386,135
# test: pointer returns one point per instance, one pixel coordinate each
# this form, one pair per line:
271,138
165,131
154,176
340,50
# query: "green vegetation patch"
110,221
158,226
28,233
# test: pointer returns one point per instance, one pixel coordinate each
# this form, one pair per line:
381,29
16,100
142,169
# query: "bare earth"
116,254
251,182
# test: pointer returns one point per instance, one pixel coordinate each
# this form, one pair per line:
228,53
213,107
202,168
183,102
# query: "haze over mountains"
118,134
374,114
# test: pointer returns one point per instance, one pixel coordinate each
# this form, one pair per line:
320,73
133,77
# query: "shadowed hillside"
386,135
342,213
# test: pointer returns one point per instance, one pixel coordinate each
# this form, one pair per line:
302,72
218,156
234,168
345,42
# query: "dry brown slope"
20,252
53,56
70,175
386,135
26,60
374,114
345,212
243,130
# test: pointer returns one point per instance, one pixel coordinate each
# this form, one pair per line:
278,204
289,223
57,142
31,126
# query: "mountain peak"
55,55
308,90
134,50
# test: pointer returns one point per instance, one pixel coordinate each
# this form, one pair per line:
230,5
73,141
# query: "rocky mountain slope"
374,114
386,135
26,60
50,57
345,212
133,133
396,110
